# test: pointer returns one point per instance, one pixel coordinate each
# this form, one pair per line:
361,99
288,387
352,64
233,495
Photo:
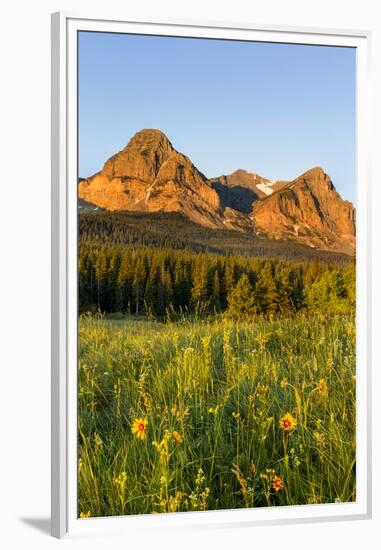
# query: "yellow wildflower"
288,422
83,515
120,480
139,428
177,437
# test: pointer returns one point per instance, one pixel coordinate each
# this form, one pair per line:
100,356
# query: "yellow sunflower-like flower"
283,383
139,428
288,422
177,437
277,484
83,515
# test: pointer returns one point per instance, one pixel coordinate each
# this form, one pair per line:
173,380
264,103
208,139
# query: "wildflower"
83,515
322,387
177,437
175,502
319,437
241,479
139,428
263,339
98,441
269,474
287,422
120,480
277,484
181,414
295,459
199,497
283,383
162,448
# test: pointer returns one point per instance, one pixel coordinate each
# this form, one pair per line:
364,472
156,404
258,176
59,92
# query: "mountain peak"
316,171
308,209
149,138
149,175
240,171
149,134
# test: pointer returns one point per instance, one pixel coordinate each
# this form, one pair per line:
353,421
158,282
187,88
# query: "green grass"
223,386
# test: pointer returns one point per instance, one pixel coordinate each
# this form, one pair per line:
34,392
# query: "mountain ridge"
150,175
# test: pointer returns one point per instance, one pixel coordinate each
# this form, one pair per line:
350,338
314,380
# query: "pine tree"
216,292
113,290
124,283
241,303
229,279
101,278
139,283
264,288
149,299
165,292
181,288
200,281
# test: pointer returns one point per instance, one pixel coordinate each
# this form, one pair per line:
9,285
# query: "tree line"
154,282
173,230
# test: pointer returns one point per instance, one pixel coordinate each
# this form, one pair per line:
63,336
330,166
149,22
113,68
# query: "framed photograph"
211,274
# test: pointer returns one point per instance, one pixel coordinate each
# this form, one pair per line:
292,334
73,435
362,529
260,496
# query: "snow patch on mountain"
265,187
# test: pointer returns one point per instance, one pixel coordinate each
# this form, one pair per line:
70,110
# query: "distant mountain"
241,188
149,175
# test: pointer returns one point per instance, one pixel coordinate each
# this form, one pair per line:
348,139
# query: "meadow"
215,413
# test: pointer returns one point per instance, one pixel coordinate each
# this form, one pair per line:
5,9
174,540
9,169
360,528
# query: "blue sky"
273,109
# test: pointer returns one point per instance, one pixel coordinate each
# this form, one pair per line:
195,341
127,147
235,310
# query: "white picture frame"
64,276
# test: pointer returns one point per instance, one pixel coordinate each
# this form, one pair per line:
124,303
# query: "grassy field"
215,414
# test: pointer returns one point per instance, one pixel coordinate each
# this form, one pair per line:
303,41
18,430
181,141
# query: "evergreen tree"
101,273
151,280
181,290
241,303
124,283
216,292
139,283
200,281
229,279
165,292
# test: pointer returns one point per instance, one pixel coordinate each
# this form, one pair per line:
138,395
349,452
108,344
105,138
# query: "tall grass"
213,393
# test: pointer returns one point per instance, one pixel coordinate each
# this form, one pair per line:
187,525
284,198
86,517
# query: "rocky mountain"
310,211
149,175
241,188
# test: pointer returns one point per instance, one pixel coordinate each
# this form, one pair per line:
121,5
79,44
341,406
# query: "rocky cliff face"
241,188
149,175
308,210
